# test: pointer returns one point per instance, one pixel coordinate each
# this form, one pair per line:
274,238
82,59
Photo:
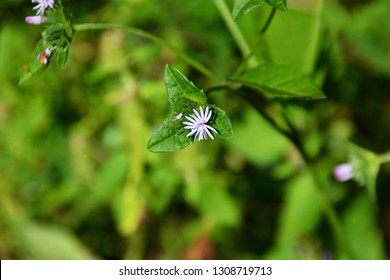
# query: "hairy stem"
139,32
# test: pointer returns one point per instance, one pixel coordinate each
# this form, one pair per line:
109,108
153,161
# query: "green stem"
330,213
384,158
293,135
235,31
320,184
268,22
131,30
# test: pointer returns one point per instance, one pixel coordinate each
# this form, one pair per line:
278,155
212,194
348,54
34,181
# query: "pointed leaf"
34,69
242,7
169,137
280,81
182,93
63,56
222,123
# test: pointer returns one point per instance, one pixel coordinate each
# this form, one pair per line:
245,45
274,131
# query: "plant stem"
293,135
139,32
235,31
268,22
330,212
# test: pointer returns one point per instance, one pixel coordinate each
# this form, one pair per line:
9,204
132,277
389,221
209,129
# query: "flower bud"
344,172
35,19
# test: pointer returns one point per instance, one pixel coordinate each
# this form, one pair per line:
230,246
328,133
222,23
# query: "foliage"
80,179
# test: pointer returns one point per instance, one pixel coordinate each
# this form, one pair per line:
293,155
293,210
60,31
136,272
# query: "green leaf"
366,165
63,56
182,94
57,35
280,81
222,123
361,228
184,97
49,242
242,7
291,46
169,137
34,69
299,218
278,4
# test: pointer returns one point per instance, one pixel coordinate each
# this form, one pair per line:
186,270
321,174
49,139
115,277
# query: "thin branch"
139,32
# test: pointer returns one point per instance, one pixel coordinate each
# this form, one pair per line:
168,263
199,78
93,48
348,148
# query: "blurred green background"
76,180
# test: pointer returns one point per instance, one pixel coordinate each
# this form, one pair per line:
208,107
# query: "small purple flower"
175,118
198,124
35,19
344,172
42,6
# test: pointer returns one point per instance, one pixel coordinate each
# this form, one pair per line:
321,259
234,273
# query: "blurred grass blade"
48,242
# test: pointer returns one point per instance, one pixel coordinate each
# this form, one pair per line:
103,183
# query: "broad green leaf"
169,137
362,231
242,7
280,81
299,218
289,45
182,94
34,69
222,123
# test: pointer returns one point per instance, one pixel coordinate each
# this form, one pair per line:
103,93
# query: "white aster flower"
42,6
198,124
